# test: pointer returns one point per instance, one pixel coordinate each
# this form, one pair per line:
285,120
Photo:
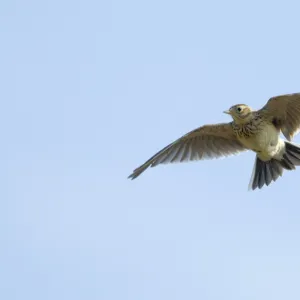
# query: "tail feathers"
264,172
291,157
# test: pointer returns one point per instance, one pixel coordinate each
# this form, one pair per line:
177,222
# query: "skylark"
258,131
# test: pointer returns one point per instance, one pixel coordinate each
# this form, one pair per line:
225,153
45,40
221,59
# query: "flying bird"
258,131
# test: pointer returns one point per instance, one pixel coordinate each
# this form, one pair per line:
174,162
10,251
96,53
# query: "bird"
255,130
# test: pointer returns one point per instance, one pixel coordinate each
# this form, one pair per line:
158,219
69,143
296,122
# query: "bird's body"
258,131
260,136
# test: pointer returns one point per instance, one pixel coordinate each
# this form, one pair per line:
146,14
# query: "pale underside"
266,142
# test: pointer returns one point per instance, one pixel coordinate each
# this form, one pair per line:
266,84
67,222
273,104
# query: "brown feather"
209,141
284,112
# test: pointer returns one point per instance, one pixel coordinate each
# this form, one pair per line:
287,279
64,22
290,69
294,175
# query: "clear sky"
89,91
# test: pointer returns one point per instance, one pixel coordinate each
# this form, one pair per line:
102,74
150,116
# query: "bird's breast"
261,137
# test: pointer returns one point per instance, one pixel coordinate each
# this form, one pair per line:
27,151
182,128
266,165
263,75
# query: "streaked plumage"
258,131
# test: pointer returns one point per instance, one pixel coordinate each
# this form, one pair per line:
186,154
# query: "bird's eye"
239,109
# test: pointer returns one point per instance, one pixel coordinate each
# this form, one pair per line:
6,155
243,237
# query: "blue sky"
89,91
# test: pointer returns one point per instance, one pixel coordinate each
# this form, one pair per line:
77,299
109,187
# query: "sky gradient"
89,91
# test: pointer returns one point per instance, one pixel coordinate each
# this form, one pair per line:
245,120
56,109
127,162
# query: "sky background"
89,91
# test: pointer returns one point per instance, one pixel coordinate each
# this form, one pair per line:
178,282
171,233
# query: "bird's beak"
227,112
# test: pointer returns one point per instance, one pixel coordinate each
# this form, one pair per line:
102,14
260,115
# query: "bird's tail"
264,172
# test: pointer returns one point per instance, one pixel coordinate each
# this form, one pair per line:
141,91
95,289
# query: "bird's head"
240,113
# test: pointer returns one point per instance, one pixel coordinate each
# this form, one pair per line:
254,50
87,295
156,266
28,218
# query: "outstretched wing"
285,113
209,141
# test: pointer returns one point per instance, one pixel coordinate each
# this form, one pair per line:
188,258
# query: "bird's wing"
209,141
285,113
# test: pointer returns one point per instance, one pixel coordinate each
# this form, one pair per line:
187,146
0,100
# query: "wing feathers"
209,141
285,112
